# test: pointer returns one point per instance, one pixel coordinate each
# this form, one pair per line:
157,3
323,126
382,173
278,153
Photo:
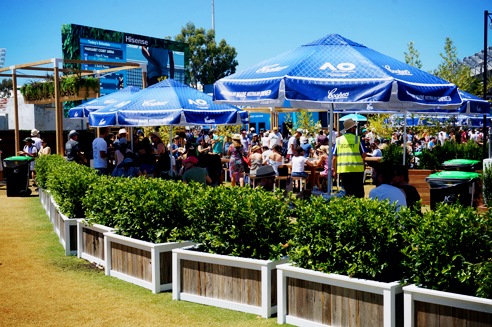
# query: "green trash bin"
17,173
461,165
452,187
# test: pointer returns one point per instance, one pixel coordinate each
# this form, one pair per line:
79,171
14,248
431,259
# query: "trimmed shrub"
242,222
68,182
147,209
355,237
44,166
449,249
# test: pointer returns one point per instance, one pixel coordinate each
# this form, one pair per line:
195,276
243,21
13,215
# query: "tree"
6,87
209,61
412,56
303,120
452,70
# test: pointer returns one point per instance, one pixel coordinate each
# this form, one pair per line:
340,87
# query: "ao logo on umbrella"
345,66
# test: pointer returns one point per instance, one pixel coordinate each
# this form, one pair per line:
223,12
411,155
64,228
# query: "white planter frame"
61,226
388,290
81,253
414,293
265,266
155,249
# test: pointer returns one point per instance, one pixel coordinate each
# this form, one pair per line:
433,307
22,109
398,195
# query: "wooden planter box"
90,242
312,298
65,228
81,96
417,179
236,283
142,263
424,307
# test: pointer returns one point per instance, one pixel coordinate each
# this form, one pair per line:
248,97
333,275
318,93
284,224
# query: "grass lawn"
39,286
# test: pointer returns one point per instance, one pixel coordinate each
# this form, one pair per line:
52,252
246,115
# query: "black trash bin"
17,172
452,187
461,165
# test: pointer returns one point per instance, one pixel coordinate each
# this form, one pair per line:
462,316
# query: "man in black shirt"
72,150
412,196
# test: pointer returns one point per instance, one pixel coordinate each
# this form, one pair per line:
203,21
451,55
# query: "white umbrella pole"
330,155
404,137
131,140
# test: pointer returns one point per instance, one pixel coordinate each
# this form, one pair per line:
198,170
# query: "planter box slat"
426,308
235,283
312,298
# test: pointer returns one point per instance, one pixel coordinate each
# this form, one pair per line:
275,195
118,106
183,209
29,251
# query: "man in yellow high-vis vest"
348,160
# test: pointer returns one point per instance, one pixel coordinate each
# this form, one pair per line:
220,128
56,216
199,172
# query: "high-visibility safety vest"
349,159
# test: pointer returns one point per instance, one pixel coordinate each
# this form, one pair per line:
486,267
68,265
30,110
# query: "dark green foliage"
68,86
68,182
147,209
394,154
449,249
44,165
241,221
355,237
487,185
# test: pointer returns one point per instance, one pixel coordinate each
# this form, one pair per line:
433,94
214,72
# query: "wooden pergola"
56,74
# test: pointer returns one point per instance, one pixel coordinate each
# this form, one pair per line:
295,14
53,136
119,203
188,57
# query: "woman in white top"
275,159
298,162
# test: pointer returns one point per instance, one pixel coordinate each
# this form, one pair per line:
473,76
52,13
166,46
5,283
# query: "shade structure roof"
335,70
168,103
86,108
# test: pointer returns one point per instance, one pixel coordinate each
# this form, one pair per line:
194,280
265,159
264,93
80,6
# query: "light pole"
487,15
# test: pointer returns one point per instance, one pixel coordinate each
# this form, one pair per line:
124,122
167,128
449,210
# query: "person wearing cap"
275,138
100,152
255,159
267,175
35,138
236,164
348,160
292,145
72,150
255,141
251,133
265,139
31,151
245,141
127,168
195,173
140,133
308,149
121,134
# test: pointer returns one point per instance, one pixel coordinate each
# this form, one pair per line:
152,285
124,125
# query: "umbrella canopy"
335,70
168,103
473,105
86,108
354,117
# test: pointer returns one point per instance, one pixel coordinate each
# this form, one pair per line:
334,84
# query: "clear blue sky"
258,29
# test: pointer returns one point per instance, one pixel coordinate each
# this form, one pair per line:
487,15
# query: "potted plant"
346,264
243,234
73,87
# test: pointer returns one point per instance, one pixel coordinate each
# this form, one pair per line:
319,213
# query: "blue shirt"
307,149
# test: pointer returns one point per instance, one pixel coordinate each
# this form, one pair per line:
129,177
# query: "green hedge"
147,209
355,237
241,221
449,249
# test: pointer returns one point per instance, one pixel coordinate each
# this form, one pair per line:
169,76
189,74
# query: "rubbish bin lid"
461,162
18,158
454,175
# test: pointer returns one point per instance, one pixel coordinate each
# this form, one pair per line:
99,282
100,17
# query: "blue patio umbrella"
335,70
473,105
168,103
336,73
354,117
84,109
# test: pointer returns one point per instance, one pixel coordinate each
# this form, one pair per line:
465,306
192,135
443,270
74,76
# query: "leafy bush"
68,182
241,221
394,154
433,159
355,237
487,185
449,249
150,210
44,166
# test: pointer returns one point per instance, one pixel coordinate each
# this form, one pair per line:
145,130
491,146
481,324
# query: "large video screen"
164,58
